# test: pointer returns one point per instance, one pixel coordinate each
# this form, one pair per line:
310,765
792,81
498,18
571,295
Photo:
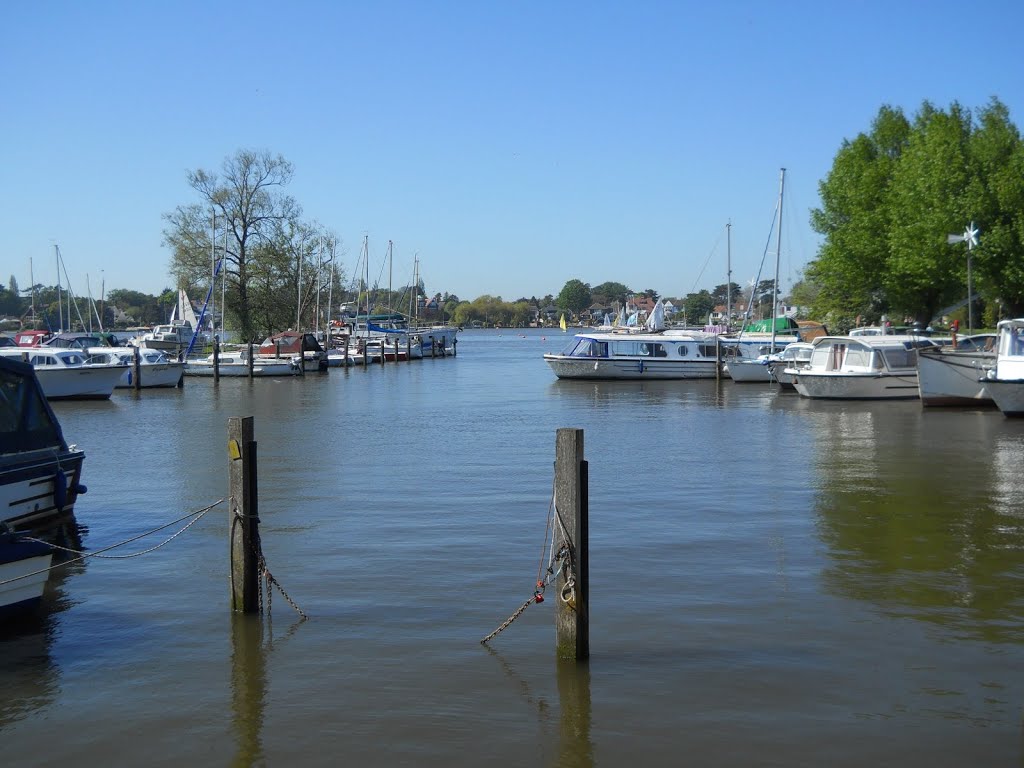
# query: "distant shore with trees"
889,212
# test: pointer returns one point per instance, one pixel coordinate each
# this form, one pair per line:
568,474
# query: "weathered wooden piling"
408,348
250,362
136,368
718,358
572,612
243,511
216,360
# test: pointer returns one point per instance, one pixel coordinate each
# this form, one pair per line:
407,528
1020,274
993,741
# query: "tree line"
889,204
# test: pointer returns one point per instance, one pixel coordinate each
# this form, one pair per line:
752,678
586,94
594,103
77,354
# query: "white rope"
98,553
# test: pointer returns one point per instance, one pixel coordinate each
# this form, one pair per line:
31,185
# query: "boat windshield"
25,421
585,347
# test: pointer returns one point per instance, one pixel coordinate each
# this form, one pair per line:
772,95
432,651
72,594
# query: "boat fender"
80,489
60,490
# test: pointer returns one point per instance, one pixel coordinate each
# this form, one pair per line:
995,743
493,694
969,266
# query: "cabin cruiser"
955,374
861,368
1005,381
39,472
66,373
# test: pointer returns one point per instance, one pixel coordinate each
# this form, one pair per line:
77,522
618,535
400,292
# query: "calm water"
774,581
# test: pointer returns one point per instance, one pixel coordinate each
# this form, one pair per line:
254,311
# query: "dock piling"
243,511
572,612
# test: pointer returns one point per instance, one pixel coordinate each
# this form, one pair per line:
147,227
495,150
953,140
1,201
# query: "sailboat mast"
414,310
319,287
213,267
223,280
728,276
60,307
778,256
32,279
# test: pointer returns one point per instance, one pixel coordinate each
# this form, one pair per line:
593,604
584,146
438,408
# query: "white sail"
186,313
656,320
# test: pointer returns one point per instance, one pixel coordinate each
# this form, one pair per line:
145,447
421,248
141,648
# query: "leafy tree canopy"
892,197
575,296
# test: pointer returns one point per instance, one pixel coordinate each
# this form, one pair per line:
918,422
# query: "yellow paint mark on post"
234,450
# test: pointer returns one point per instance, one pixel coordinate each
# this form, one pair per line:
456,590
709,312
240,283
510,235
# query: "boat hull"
951,378
22,580
158,375
1008,395
82,383
566,367
744,371
241,370
855,386
31,495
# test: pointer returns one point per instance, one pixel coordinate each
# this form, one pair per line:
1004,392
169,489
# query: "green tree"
927,200
248,197
574,297
854,219
995,201
698,307
611,293
726,291
144,308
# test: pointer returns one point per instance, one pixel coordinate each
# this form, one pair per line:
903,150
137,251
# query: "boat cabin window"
710,350
590,348
900,358
681,350
856,357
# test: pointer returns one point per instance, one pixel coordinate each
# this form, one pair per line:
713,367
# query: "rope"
562,557
98,553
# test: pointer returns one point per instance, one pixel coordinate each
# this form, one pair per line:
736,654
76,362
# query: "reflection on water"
30,678
774,580
576,750
248,687
922,522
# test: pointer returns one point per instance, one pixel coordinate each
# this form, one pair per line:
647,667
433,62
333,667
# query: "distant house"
550,313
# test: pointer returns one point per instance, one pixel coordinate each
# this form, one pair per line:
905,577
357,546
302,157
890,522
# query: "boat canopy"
27,422
785,324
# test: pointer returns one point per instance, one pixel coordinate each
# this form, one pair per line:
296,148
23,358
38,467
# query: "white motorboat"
861,368
949,375
631,355
170,338
795,356
39,473
65,374
236,363
1005,382
155,370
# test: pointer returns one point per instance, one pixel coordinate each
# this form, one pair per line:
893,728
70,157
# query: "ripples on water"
773,580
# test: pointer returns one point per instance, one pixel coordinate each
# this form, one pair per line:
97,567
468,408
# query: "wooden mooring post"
250,360
243,515
572,611
137,368
216,360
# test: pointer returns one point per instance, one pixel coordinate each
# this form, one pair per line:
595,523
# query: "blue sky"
512,145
